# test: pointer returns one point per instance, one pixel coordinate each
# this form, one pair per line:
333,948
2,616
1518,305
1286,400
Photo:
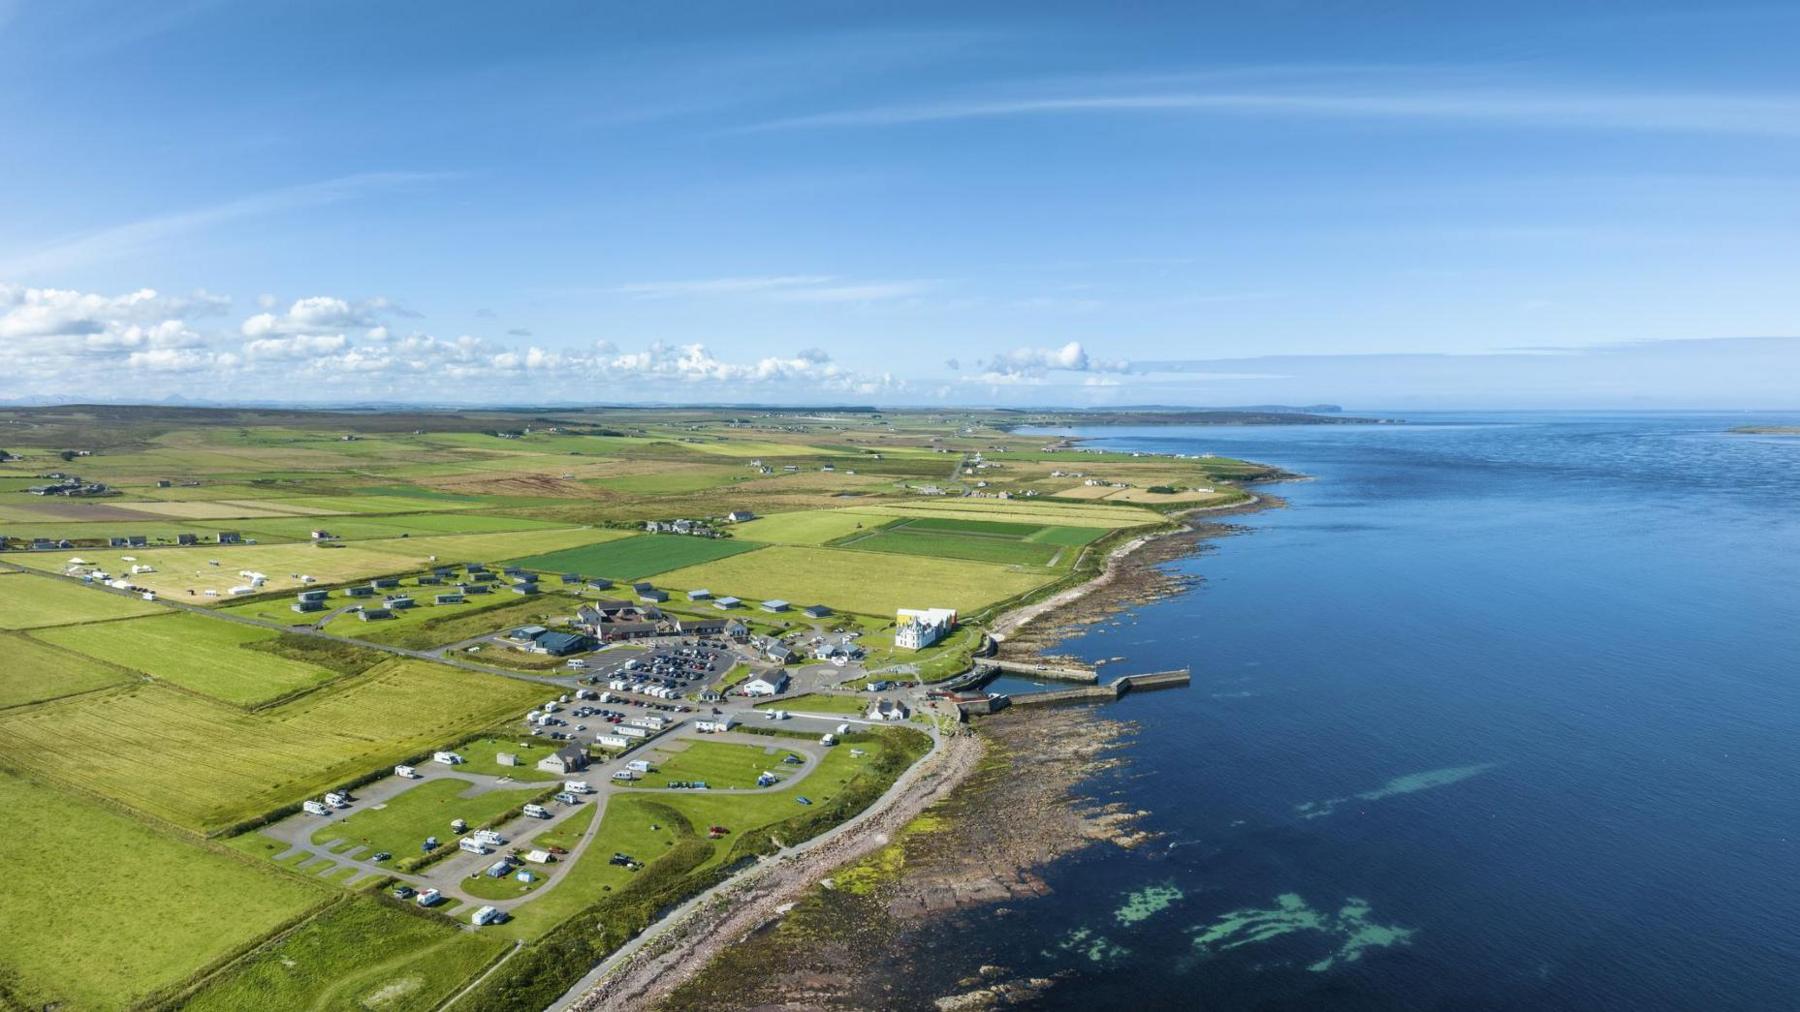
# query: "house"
561,644
599,583
527,633
187,539
571,578
769,684
431,580
702,626
887,709
474,588
727,603
164,483
700,595
452,598
653,596
313,595
775,604
483,576
115,542
740,516
613,631
568,759
384,583
321,534
643,585
399,601
137,541
359,591
307,604
778,652
230,538
371,614
525,587
918,628
816,611
735,629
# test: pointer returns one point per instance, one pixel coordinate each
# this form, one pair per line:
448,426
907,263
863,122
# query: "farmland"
970,540
213,658
35,671
92,881
30,602
636,557
206,766
360,954
841,579
812,527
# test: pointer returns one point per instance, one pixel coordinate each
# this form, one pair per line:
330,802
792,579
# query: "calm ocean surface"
1503,712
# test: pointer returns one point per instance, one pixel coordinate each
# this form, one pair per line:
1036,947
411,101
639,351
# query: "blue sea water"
1500,712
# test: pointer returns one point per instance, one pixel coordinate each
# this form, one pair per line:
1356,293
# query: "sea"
1497,712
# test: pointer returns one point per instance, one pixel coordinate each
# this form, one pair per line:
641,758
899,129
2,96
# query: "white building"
770,684
918,628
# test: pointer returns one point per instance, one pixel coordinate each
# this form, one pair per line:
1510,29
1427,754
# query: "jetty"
1107,693
1051,672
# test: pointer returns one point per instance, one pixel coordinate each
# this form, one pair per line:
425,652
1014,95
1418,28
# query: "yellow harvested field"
867,583
1087,492
1187,496
188,573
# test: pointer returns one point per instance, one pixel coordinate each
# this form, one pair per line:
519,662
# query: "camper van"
829,740
447,758
430,898
568,799
489,837
843,729
485,916
316,808
472,845
406,772
577,787
624,776
638,765
537,811
338,799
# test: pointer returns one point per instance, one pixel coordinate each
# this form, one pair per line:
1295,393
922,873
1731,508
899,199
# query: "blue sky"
1375,204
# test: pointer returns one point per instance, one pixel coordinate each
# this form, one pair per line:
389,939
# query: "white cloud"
781,288
1027,364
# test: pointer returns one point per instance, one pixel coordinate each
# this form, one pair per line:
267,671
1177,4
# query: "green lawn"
906,540
208,766
426,810
718,764
819,702
197,652
35,671
29,602
811,527
430,625
481,752
359,955
868,583
637,557
101,909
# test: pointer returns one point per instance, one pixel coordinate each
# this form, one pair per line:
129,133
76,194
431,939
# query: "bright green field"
904,540
206,765
196,652
91,881
637,557
863,582
31,602
357,956
719,764
424,811
35,671
811,527
434,625
1021,512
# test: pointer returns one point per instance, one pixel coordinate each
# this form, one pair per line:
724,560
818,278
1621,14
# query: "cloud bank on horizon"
1045,205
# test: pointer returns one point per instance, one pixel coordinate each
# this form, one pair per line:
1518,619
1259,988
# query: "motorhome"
485,916
447,758
406,772
537,811
577,787
315,808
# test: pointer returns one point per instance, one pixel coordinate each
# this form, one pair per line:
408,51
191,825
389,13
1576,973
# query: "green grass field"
854,706
716,763
207,766
32,602
862,582
1022,512
84,880
902,539
196,652
637,557
357,956
426,810
430,625
810,527
33,672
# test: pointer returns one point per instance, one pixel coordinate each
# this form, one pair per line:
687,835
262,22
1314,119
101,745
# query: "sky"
1374,204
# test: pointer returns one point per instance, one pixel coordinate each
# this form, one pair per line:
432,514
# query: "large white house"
918,628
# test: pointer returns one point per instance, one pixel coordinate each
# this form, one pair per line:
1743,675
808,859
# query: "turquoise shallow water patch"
1411,783
1348,930
1147,903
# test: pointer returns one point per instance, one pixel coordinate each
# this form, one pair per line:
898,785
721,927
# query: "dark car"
403,892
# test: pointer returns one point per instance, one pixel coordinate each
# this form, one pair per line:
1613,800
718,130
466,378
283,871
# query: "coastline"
680,946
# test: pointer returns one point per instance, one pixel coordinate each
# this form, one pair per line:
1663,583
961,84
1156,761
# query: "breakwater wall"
1105,693
1053,672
